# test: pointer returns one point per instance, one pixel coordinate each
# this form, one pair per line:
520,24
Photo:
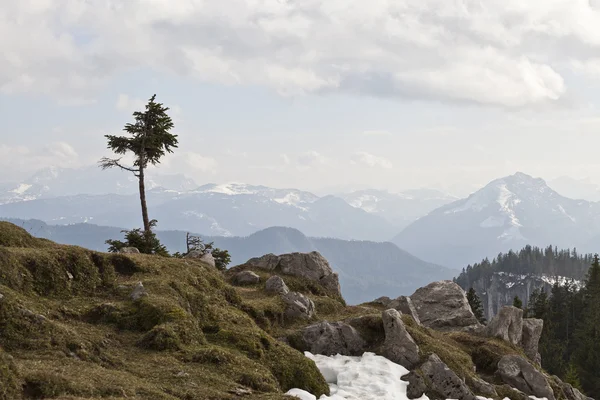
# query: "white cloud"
370,160
22,161
129,104
311,158
189,163
500,52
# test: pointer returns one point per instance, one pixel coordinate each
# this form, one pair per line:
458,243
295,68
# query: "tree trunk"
143,200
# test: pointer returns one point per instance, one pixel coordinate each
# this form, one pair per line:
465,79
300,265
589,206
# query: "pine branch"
106,163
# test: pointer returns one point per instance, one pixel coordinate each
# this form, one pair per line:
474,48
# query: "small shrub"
10,387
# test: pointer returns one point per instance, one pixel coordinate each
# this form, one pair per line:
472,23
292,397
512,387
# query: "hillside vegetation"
69,329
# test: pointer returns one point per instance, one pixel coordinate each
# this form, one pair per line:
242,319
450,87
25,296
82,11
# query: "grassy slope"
68,329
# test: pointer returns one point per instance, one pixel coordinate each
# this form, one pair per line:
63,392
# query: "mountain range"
506,214
68,196
367,269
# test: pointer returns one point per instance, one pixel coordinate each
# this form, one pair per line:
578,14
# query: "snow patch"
23,187
492,222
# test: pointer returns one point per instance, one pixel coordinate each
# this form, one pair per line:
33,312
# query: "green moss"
172,336
9,381
485,352
14,236
506,392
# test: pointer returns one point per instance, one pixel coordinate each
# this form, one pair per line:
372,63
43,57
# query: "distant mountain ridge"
510,212
367,269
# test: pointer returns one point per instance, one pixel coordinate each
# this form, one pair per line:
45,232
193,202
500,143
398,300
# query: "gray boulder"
443,382
129,250
298,306
246,278
443,306
520,374
276,285
382,301
481,387
416,385
532,331
312,266
399,346
570,392
329,339
507,325
139,291
405,305
207,258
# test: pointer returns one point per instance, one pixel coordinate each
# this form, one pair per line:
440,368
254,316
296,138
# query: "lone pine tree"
149,139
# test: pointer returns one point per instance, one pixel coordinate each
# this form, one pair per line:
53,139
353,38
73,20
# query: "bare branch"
106,163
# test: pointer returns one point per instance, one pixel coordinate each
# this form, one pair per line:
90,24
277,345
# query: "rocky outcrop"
129,250
507,325
399,346
570,392
246,278
276,285
442,382
532,332
416,385
202,256
312,266
405,305
520,374
443,306
481,387
139,291
298,306
331,338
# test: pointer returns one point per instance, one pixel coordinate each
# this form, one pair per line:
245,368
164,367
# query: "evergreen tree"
149,140
587,354
517,302
476,305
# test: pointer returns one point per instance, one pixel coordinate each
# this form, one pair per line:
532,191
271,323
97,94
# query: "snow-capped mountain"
53,182
233,209
399,208
507,213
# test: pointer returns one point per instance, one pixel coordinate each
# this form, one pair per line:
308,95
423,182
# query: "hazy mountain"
224,210
399,208
367,269
507,213
576,188
91,180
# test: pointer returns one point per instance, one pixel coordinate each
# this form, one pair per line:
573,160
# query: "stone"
399,346
129,250
520,374
507,325
332,338
382,301
1,296
532,332
416,385
443,306
298,306
570,392
246,278
481,387
69,275
276,285
312,266
443,382
206,258
405,305
139,291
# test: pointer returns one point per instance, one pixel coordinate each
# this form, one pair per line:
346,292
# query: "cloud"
129,104
24,160
499,52
189,163
310,158
377,133
370,160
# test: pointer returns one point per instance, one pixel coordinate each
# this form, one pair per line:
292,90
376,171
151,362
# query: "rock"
194,254
443,382
399,346
246,278
139,291
334,338
70,275
518,373
207,258
129,250
312,266
298,306
481,387
507,325
405,305
276,285
382,301
532,331
416,385
570,392
443,306
1,296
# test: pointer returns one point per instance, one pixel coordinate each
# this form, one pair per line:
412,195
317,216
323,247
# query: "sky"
318,95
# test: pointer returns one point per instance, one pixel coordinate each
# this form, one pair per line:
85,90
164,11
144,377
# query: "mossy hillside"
67,320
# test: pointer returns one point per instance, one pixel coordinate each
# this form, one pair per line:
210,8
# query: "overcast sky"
309,93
